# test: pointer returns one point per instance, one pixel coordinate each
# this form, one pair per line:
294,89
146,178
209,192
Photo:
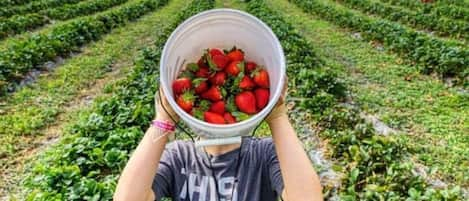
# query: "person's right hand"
164,111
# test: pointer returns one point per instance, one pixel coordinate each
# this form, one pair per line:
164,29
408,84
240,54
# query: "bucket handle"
218,141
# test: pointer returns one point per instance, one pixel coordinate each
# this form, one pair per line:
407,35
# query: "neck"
221,149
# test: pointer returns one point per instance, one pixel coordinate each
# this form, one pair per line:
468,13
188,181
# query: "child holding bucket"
253,170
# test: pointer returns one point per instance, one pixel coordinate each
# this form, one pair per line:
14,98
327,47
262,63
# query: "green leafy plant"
33,6
451,9
86,164
426,21
27,54
435,55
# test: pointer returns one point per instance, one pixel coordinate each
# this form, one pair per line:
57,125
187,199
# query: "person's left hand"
164,111
279,109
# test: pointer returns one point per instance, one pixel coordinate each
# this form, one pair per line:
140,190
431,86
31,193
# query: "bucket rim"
252,119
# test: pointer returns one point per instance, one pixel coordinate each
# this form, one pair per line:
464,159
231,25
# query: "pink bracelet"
164,125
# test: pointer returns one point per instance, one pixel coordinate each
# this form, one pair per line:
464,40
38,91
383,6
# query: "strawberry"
262,97
229,119
218,107
214,118
201,63
234,68
203,72
236,55
246,102
261,78
220,61
186,101
214,51
246,83
200,85
216,59
250,66
213,94
181,84
218,79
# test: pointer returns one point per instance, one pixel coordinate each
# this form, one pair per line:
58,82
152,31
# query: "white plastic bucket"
222,28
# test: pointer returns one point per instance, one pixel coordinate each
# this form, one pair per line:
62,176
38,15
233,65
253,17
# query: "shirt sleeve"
273,166
164,178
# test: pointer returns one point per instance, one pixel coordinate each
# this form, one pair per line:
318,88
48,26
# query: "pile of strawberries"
222,87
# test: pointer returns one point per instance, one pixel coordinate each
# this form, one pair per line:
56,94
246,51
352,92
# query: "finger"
162,96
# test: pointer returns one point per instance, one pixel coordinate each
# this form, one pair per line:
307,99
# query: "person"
254,170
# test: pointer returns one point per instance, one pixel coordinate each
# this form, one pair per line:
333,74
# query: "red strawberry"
200,85
229,118
201,63
221,61
213,94
261,78
250,66
181,84
236,55
186,101
218,79
202,72
215,51
218,107
234,68
214,118
246,83
246,102
262,97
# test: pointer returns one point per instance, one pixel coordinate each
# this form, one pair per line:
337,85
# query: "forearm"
300,180
137,177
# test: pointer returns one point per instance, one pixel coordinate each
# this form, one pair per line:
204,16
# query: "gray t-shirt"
184,173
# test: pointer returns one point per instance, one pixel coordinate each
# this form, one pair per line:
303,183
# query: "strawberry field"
378,92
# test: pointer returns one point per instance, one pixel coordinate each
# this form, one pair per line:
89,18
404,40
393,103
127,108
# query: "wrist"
164,117
280,118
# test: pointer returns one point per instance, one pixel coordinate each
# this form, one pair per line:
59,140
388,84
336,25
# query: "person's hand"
279,109
164,111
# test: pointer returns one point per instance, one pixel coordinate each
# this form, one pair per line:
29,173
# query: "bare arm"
300,180
299,177
136,179
135,182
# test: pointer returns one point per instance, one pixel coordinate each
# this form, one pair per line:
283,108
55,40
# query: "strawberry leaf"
240,116
193,67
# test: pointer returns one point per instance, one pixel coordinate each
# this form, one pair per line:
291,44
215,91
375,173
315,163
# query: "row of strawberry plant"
13,2
369,160
82,8
23,55
440,9
34,6
442,26
85,165
375,167
308,76
461,3
434,55
21,23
